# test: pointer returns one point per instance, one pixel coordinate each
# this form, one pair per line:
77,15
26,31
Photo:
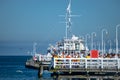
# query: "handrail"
87,63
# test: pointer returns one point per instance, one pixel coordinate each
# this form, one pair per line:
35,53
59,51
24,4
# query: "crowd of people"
85,55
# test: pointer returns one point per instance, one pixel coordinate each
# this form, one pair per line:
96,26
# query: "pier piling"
40,71
42,68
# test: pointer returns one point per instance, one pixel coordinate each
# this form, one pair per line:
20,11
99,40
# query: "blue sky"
39,20
27,20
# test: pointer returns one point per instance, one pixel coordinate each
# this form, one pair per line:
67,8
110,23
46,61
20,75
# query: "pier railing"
45,58
87,63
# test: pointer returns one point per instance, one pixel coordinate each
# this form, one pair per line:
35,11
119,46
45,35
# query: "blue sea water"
13,68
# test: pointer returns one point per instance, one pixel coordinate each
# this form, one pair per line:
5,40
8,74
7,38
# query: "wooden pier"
70,77
40,65
32,64
86,68
89,64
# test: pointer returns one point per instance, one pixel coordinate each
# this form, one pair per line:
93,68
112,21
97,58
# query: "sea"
13,56
13,68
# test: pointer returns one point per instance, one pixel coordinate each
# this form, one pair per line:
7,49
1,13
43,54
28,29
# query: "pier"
32,64
87,64
39,65
83,67
70,77
87,68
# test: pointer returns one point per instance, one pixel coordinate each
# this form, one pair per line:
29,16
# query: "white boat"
71,44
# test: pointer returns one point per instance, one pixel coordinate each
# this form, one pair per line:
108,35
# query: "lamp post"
99,46
104,47
103,30
87,36
117,38
92,35
110,44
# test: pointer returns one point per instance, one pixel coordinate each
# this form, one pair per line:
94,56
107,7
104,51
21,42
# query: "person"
88,56
68,56
116,56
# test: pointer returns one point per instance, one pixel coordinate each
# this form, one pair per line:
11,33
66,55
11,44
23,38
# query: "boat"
70,45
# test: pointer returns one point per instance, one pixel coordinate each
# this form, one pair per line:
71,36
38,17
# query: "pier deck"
36,64
79,66
86,65
88,77
87,68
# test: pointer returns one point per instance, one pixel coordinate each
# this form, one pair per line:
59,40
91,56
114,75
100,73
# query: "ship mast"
68,16
68,20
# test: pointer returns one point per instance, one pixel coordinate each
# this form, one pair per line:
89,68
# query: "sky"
39,20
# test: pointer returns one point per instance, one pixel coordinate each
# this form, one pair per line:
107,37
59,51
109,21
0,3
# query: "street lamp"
117,38
104,47
34,48
87,36
110,44
99,46
92,35
103,30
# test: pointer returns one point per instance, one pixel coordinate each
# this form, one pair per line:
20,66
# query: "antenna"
68,20
68,16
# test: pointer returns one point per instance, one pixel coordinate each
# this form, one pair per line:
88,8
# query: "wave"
19,71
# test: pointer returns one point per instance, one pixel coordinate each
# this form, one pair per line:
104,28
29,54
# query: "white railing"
40,57
87,63
43,58
46,59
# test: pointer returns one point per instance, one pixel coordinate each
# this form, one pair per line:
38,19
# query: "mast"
68,20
